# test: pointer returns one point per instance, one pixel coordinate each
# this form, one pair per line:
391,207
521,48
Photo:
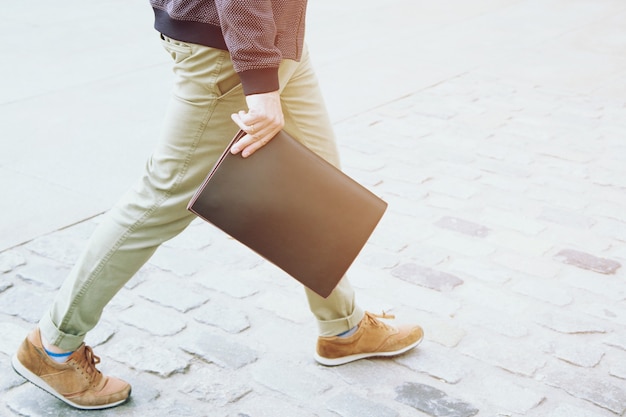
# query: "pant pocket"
179,51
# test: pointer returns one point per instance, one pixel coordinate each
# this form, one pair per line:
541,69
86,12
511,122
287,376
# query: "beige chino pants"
196,130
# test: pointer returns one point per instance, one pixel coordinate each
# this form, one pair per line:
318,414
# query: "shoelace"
372,318
87,364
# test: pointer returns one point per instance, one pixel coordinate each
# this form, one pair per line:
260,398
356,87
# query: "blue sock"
348,333
59,357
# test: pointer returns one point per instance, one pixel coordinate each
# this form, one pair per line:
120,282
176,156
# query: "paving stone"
5,286
8,378
497,321
432,106
535,246
416,252
618,368
426,277
225,317
152,320
198,235
147,356
616,340
566,218
145,273
444,365
557,152
504,168
569,323
587,261
606,209
463,245
606,311
57,247
375,257
462,171
586,355
517,262
504,183
290,379
484,271
123,301
172,408
432,401
510,395
352,405
172,294
226,251
25,302
612,228
610,287
254,406
143,400
382,373
291,308
485,294
462,226
102,333
10,260
423,299
356,160
222,351
409,190
29,400
181,262
565,410
445,332
519,359
602,391
237,284
12,336
452,187
44,274
510,220
543,290
214,388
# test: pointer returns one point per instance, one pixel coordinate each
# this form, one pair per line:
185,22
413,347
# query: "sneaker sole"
40,383
351,358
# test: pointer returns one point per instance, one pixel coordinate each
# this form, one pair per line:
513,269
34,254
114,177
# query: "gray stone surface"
350,405
432,401
493,128
426,277
462,226
605,392
290,379
588,261
219,350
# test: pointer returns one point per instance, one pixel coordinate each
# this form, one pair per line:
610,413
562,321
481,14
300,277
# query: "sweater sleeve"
249,31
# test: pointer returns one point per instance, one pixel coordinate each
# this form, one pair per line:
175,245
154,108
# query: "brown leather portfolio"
291,207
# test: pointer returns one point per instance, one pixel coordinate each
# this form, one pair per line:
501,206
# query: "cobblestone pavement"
505,237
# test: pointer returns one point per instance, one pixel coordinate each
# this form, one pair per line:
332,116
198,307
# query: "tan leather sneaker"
372,338
76,382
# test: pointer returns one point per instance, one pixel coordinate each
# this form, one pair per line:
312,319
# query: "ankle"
349,332
54,352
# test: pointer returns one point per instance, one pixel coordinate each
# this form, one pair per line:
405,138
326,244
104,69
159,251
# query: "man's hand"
263,120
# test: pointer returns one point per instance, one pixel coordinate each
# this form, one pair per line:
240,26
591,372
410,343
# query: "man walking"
238,64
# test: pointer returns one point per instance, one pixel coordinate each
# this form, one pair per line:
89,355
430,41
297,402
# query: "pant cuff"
334,327
56,337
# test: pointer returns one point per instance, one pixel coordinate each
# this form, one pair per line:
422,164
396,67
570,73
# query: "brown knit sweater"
257,33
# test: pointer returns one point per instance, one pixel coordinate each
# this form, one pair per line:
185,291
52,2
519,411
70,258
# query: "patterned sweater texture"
258,34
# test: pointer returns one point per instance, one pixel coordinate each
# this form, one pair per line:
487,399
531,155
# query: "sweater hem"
189,31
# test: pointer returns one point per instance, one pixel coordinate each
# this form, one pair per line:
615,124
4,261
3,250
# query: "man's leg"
196,130
306,119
